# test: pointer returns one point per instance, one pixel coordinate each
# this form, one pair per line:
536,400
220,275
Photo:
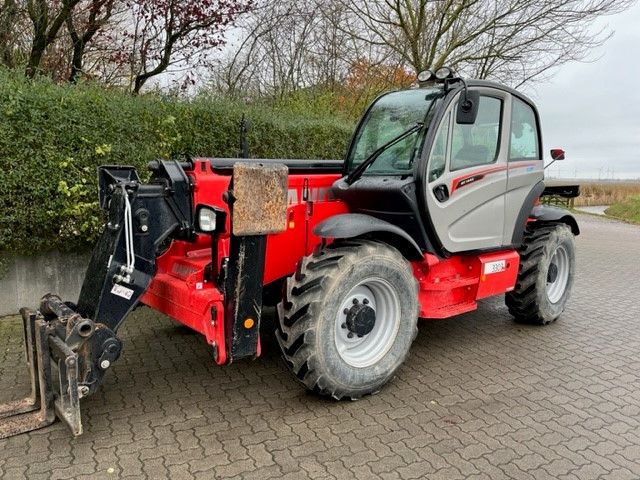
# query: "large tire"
545,276
327,334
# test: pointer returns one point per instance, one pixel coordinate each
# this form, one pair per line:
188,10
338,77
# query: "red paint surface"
179,289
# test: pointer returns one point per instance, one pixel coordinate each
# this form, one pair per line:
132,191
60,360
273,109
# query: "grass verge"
627,210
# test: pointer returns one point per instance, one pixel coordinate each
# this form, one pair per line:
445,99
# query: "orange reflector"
292,225
248,323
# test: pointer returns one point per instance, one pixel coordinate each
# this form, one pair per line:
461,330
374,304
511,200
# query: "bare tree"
47,18
160,34
269,59
31,34
89,17
511,40
124,42
9,17
287,46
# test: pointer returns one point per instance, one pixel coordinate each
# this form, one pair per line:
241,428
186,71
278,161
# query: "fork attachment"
36,410
67,356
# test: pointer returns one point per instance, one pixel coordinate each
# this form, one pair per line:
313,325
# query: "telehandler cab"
435,207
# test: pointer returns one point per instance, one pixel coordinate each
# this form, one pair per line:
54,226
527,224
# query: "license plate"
495,267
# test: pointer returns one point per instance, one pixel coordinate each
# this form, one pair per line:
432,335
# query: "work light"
206,219
444,73
425,76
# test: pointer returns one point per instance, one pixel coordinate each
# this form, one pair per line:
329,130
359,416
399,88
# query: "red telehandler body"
435,207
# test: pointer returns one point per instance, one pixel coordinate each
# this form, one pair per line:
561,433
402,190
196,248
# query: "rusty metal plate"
260,192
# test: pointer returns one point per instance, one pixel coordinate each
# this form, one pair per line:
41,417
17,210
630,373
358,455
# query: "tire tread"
301,304
522,301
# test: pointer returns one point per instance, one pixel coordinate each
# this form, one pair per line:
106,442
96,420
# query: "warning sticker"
121,291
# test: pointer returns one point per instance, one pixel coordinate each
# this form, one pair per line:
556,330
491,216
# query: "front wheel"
348,318
545,276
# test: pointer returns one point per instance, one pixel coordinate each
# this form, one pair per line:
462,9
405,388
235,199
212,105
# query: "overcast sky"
592,110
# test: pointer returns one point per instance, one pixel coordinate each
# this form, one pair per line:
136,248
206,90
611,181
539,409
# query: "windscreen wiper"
360,169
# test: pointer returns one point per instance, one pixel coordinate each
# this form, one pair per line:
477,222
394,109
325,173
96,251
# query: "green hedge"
53,137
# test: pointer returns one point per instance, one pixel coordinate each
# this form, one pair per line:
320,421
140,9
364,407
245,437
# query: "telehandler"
436,206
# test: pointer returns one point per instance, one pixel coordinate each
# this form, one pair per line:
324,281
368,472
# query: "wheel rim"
368,349
558,274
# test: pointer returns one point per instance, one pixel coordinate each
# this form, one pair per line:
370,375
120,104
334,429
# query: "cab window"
387,118
478,144
438,155
525,142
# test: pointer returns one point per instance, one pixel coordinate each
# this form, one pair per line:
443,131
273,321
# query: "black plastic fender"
351,225
548,213
525,212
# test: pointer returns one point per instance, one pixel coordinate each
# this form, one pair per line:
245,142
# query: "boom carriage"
359,255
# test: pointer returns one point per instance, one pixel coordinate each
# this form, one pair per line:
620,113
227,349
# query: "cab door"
467,176
526,165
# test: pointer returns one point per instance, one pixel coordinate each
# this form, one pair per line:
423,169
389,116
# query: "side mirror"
468,107
557,154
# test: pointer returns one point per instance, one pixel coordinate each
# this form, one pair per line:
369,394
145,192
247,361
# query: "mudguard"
351,225
548,213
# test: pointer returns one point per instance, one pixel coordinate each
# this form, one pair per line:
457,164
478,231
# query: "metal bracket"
40,407
36,410
243,296
67,400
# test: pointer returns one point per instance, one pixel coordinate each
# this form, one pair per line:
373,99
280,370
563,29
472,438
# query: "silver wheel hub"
558,274
367,322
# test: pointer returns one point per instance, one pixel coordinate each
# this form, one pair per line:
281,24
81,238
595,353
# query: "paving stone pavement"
480,397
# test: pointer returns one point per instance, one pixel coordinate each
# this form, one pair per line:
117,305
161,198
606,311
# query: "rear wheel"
545,276
348,318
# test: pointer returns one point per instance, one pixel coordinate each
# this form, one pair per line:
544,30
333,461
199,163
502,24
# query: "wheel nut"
346,311
350,335
365,301
344,325
355,301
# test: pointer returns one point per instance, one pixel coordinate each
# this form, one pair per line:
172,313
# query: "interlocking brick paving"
480,397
